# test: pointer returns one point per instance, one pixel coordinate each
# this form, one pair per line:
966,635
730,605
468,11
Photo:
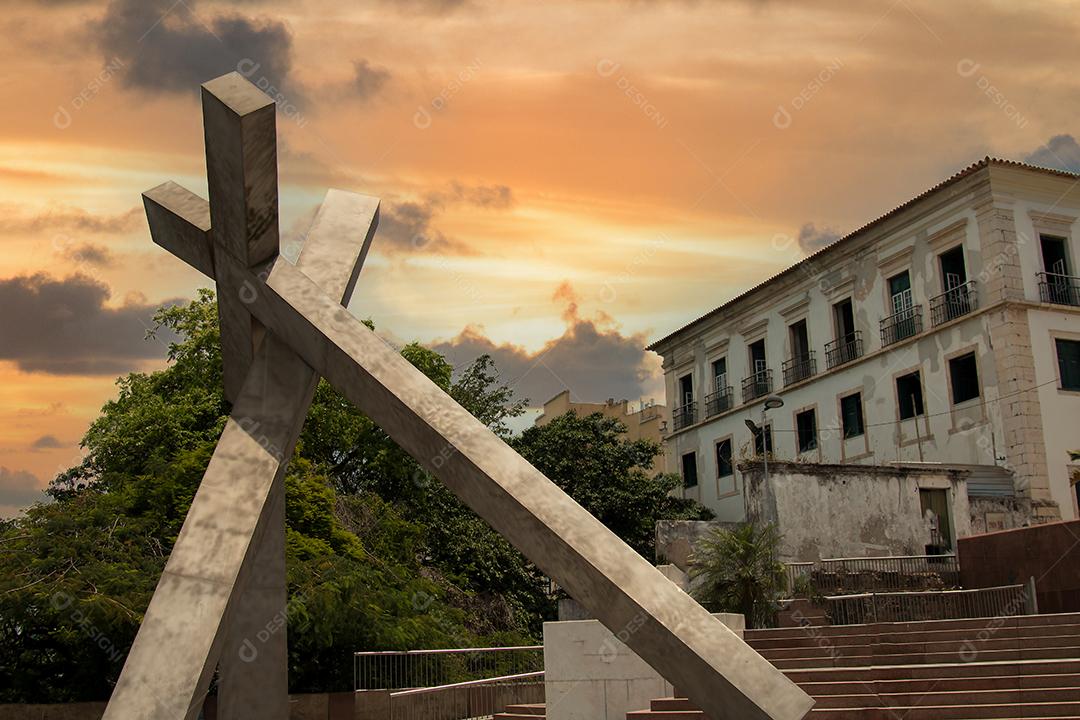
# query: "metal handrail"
684,416
1003,601
757,385
902,325
719,401
448,651
1059,289
844,349
467,683
953,303
799,368
878,574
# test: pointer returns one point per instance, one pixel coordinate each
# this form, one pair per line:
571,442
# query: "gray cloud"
168,46
811,239
73,219
409,225
90,254
1061,152
591,359
62,327
367,79
46,442
18,489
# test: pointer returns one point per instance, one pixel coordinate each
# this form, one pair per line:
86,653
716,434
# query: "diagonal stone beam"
170,664
661,623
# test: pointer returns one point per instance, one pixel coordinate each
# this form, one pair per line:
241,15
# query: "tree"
590,458
738,571
76,575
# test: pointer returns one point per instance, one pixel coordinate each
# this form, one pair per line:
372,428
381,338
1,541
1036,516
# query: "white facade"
990,311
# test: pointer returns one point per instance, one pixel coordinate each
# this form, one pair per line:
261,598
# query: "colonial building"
945,331
643,422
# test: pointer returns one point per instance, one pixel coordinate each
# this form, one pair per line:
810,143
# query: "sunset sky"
561,181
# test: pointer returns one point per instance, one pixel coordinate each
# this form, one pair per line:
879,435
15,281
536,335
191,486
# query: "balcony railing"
901,325
844,349
799,368
1059,289
684,416
757,385
953,303
718,402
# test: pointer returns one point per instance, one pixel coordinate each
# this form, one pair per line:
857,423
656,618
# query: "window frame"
682,469
1060,367
812,412
950,363
917,411
843,416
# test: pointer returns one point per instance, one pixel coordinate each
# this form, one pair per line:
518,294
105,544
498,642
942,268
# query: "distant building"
946,331
647,421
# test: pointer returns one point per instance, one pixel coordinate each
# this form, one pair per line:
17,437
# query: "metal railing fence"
411,669
1001,601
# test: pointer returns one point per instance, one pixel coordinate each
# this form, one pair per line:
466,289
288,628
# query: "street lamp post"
771,402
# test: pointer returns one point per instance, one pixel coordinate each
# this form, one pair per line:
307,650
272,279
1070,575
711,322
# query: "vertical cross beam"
239,128
253,668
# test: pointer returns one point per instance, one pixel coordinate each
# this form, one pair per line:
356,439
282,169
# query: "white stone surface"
592,675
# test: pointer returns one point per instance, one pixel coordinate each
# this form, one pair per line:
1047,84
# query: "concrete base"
592,675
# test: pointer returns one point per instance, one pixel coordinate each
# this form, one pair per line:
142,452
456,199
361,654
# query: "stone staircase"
531,711
1015,667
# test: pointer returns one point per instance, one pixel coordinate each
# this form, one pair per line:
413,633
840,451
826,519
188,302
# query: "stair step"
948,712
817,637
925,685
527,709
931,672
949,699
922,626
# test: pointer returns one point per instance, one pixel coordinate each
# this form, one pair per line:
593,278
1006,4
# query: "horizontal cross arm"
180,222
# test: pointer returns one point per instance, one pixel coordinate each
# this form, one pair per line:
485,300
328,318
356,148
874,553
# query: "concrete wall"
306,706
850,510
1049,553
676,539
591,675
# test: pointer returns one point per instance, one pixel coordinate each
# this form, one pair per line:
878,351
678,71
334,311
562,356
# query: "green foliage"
379,554
738,571
591,459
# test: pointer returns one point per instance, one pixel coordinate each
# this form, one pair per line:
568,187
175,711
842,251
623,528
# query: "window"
723,459
909,395
757,357
763,441
689,470
964,376
686,390
1068,354
719,372
806,427
851,415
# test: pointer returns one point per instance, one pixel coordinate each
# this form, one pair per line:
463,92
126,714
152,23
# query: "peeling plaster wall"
851,511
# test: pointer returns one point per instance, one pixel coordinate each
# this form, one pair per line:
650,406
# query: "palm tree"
738,571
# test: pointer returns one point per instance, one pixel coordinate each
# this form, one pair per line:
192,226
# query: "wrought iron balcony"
684,416
719,401
844,349
757,385
901,325
799,368
954,303
1059,289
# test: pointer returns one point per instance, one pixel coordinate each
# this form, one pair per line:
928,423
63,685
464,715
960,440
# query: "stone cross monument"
284,325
